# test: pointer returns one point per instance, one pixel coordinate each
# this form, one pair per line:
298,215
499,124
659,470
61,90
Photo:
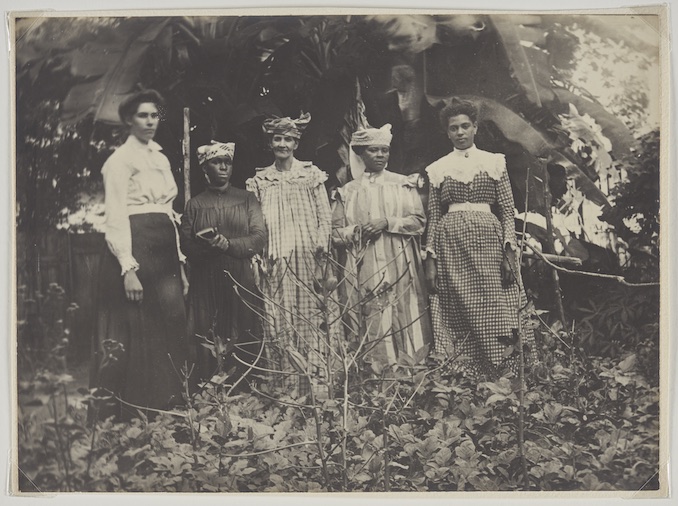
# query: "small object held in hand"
207,233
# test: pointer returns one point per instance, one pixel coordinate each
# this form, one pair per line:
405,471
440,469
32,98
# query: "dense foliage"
587,423
635,214
591,425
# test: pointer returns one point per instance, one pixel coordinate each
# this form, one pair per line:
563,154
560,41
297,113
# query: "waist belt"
174,217
151,208
469,206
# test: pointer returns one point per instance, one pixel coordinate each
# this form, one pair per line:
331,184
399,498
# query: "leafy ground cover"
590,423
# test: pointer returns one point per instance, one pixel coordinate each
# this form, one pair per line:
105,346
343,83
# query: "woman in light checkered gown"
297,214
471,267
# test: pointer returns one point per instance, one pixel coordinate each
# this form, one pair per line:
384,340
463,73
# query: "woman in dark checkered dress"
472,261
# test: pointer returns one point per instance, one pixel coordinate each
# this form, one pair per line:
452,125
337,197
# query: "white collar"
372,176
466,153
460,167
135,143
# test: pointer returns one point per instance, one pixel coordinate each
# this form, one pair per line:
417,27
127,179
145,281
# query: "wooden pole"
556,259
186,149
551,243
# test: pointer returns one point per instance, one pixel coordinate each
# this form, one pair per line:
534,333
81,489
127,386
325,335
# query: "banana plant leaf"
613,128
513,126
529,64
123,58
581,180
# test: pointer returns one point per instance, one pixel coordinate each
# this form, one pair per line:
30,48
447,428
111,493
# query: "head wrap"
367,137
215,149
287,126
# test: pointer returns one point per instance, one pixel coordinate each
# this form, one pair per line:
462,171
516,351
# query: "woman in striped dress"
298,219
378,218
472,253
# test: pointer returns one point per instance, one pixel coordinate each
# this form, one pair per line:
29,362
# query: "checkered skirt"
474,314
297,214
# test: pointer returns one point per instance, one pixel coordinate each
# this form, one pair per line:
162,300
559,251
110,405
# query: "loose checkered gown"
473,314
298,218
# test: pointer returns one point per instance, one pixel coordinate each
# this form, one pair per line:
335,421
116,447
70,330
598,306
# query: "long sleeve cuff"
344,235
428,252
405,226
128,263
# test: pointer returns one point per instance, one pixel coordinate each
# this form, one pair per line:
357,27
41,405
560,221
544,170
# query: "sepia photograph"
330,250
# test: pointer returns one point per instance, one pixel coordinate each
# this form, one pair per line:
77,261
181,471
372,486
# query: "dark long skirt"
140,347
221,309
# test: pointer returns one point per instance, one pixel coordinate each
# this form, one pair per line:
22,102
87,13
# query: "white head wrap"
215,149
367,137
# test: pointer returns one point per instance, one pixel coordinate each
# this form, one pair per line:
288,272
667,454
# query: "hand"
184,281
219,242
431,271
372,229
507,275
133,289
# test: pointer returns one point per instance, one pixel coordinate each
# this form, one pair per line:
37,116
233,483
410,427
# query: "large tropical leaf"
581,180
517,129
514,127
613,128
122,59
521,39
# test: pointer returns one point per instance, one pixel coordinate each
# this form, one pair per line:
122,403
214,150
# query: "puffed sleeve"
118,233
504,197
255,241
410,218
252,187
342,232
434,215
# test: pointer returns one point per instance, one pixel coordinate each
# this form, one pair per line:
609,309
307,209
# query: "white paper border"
209,7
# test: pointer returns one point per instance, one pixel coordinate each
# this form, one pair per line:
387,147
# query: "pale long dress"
396,318
298,219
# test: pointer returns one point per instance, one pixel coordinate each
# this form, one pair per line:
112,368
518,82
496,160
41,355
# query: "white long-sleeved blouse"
137,178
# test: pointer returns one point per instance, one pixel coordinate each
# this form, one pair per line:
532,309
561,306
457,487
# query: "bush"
591,424
43,329
635,213
582,423
622,320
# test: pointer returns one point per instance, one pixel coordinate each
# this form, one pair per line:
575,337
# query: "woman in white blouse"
141,321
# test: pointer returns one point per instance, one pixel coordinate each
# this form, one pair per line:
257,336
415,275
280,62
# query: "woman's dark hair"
129,105
456,107
358,150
